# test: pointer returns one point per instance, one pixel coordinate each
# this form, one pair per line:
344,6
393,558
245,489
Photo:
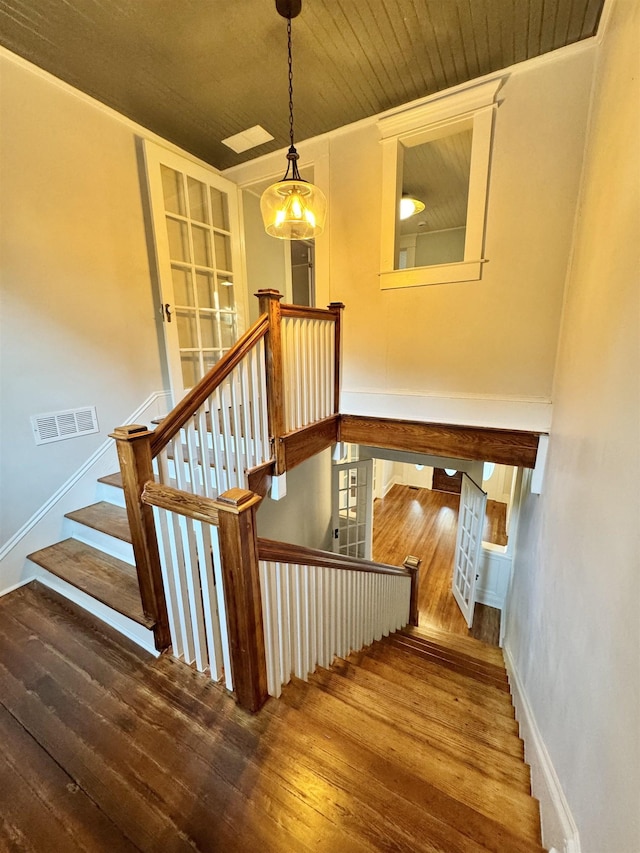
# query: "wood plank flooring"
423,522
104,748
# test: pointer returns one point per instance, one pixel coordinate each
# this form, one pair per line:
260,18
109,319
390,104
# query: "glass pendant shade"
293,209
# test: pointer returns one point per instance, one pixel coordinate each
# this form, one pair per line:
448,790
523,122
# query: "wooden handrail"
176,419
305,312
184,503
283,552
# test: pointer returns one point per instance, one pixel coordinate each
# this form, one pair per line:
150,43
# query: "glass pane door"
196,229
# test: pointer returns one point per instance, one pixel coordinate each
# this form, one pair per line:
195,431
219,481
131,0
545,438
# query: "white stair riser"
102,541
110,494
140,635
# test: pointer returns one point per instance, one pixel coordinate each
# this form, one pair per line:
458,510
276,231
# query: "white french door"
471,519
196,225
352,500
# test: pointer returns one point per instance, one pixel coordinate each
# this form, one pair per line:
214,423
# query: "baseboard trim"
16,586
559,830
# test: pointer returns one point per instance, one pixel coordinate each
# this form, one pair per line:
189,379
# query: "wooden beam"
307,441
243,602
133,444
259,478
506,447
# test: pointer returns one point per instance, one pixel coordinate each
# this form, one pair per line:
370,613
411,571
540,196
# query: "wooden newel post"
413,564
243,602
269,301
133,443
337,308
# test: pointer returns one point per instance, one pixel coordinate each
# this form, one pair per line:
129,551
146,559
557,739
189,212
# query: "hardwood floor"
103,748
424,523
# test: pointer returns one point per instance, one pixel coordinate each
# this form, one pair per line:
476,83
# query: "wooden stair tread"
101,576
303,774
460,659
439,707
361,694
464,782
445,661
105,517
433,697
467,645
112,479
429,671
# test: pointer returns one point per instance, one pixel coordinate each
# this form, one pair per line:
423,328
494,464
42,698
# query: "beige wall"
573,629
496,337
78,325
478,352
303,516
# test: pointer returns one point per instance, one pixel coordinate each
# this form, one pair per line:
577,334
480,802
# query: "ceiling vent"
247,139
60,425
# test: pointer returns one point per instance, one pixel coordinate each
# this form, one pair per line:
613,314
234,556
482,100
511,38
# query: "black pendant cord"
292,155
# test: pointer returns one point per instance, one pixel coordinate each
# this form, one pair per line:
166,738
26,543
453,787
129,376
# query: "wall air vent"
60,425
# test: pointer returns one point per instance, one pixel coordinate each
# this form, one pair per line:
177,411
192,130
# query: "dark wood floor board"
464,783
435,701
154,755
217,753
474,726
40,793
105,517
360,695
494,701
175,764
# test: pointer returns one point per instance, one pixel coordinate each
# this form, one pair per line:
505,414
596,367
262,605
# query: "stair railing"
318,606
288,609
263,408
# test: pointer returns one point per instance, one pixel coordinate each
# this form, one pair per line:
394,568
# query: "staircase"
95,563
431,712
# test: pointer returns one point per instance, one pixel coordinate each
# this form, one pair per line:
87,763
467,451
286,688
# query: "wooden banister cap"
339,305
130,431
237,500
270,293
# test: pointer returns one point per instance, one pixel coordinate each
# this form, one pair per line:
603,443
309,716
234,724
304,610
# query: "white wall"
303,516
495,338
78,319
573,629
265,256
479,353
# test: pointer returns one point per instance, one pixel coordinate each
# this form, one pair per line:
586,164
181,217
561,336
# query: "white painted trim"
559,829
46,526
140,635
16,586
482,410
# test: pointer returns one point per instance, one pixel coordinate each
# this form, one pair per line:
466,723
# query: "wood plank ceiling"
197,72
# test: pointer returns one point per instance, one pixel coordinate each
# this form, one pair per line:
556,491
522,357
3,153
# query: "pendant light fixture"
292,209
409,206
